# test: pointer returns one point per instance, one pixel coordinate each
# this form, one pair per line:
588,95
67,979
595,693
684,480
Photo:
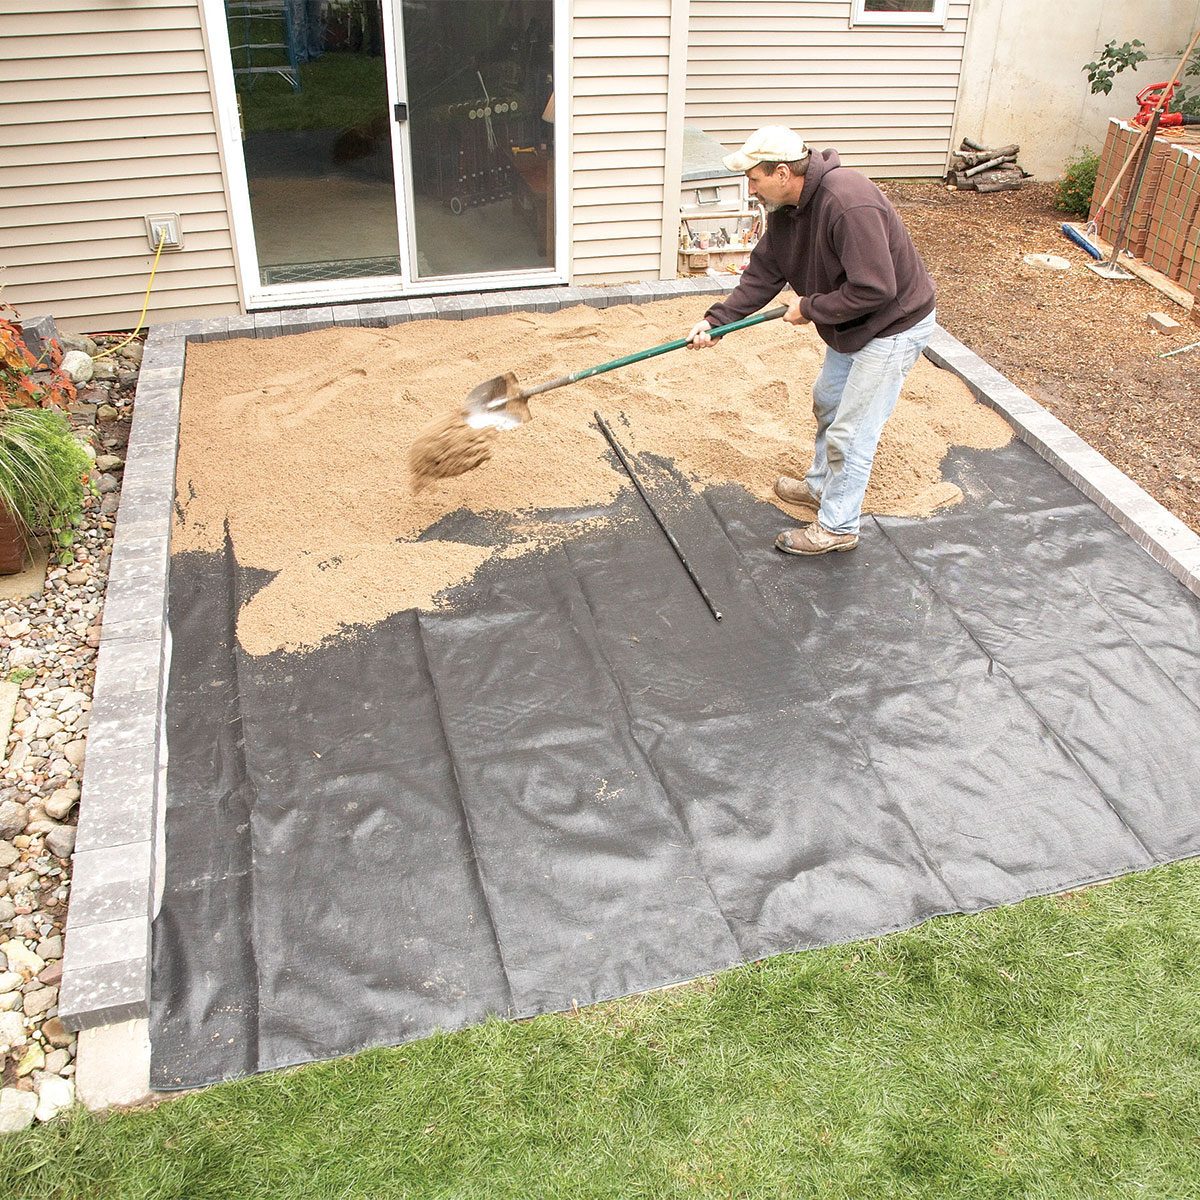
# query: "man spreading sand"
834,237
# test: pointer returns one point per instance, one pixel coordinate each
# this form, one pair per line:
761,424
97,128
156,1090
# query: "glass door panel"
311,81
480,81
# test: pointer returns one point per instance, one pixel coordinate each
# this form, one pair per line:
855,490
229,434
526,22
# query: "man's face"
772,190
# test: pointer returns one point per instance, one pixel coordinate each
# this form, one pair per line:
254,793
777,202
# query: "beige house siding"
620,52
108,116
884,97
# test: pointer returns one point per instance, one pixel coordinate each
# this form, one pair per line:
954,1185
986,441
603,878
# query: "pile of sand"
301,444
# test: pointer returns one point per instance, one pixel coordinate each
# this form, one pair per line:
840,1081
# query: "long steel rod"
637,483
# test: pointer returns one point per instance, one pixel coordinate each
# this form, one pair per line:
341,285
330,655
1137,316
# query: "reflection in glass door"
480,82
311,81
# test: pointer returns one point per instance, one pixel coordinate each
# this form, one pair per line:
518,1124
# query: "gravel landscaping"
50,643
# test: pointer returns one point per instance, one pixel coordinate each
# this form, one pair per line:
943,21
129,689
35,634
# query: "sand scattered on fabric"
302,444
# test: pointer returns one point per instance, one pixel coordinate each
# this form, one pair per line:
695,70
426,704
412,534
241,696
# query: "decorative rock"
132,353
13,816
57,1061
76,341
34,1059
60,841
106,414
56,1033
21,958
17,1110
51,947
9,981
40,1000
60,802
12,1030
74,752
10,1001
108,508
8,854
109,462
107,483
7,911
55,1095
78,366
76,578
52,975
126,378
103,368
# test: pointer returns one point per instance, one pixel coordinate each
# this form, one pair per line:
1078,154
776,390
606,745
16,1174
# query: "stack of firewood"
978,168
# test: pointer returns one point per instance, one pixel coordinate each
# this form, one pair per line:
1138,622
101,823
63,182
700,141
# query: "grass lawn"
1050,1049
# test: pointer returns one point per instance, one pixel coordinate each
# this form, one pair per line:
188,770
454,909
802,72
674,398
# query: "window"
898,12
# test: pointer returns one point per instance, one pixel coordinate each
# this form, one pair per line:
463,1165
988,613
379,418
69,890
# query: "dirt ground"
1076,343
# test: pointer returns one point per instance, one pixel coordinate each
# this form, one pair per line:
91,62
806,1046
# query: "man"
834,237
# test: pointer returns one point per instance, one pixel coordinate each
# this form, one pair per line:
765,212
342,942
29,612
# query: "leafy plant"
1111,61
26,381
1187,99
43,471
1078,183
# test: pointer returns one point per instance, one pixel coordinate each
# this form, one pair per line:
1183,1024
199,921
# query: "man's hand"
794,316
698,339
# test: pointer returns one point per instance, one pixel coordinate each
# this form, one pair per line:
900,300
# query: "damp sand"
302,443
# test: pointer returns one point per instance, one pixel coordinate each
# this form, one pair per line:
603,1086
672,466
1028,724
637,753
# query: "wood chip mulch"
1078,344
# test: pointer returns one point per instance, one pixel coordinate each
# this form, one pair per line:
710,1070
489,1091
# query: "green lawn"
1050,1049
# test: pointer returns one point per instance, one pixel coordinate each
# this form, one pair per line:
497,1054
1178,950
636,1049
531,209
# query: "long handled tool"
637,483
462,441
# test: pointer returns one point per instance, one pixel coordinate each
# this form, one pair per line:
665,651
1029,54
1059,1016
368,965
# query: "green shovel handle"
772,314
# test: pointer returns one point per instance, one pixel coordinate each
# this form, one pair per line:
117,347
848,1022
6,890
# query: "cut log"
1000,181
998,161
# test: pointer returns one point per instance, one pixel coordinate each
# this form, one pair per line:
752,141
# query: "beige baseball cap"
771,143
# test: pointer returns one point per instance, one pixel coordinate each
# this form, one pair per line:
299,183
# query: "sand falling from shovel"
302,445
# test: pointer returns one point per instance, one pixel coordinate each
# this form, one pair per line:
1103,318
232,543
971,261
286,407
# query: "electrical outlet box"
165,226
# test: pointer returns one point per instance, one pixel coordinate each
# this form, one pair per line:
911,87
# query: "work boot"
814,539
796,491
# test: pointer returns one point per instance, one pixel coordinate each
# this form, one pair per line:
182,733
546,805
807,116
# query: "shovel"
462,442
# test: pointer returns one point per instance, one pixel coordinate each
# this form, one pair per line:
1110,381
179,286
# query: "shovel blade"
496,403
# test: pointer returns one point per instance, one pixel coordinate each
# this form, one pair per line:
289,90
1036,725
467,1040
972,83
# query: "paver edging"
106,970
1163,536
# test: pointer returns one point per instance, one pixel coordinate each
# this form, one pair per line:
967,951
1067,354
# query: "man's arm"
760,283
860,239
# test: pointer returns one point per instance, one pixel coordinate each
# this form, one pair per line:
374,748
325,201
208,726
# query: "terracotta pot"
12,543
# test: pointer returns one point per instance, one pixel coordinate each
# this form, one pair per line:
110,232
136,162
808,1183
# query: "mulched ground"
1076,343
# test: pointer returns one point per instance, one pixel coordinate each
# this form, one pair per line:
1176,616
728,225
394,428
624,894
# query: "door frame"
257,296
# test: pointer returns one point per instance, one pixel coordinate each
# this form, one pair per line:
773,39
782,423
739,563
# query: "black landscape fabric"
575,784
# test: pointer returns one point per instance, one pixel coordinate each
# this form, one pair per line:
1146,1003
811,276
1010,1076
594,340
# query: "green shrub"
42,471
1077,184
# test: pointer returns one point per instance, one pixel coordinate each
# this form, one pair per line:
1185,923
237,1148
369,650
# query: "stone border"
1163,536
106,976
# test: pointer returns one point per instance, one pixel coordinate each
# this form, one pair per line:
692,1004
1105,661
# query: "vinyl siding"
620,52
108,116
884,97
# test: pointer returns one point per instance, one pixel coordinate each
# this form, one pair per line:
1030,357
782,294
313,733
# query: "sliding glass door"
480,79
311,82
389,144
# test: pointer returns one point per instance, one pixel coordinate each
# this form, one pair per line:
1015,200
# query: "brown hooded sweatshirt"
847,255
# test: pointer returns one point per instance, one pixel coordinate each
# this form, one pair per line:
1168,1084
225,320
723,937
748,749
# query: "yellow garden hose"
162,237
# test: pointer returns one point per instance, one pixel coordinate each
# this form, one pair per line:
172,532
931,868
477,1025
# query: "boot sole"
784,549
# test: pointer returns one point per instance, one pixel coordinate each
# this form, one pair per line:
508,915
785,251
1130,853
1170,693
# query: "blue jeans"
852,398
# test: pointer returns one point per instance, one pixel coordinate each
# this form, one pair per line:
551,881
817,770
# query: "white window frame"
859,15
